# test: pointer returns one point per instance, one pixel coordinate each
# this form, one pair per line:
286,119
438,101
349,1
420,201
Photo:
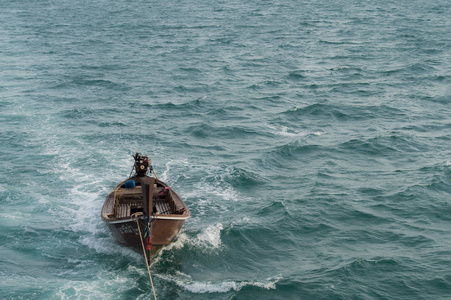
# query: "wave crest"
201,287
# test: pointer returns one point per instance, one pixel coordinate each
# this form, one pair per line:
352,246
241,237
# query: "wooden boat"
147,201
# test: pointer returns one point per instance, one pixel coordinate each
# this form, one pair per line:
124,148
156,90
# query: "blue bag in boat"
129,184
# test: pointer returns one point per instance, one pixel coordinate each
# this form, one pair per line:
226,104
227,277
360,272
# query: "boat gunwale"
175,217
156,217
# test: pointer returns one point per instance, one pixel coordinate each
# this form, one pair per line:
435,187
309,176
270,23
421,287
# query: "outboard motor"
142,164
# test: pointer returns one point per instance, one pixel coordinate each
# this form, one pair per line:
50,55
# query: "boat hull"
163,229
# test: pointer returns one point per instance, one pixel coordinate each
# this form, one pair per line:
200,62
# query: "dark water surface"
310,139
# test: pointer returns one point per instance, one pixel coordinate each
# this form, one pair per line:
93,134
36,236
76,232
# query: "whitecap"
202,287
178,162
210,236
283,130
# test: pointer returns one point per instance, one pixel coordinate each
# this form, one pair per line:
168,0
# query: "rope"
151,168
155,174
147,230
135,215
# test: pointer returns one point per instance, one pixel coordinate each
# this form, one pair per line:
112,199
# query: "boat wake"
201,287
208,240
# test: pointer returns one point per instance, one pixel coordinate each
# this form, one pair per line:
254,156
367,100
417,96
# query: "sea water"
310,140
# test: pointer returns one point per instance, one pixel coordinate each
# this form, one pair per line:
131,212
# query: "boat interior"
129,200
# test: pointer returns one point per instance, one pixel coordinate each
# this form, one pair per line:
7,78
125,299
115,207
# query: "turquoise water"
310,139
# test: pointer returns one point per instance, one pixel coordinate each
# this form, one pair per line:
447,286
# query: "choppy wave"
311,146
186,282
344,112
207,239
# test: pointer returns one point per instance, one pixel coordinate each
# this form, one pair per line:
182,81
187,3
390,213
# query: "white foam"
208,239
340,68
107,245
84,215
202,287
202,192
211,236
283,130
96,289
211,193
141,271
224,192
246,221
18,217
80,210
77,208
178,162
182,240
83,211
